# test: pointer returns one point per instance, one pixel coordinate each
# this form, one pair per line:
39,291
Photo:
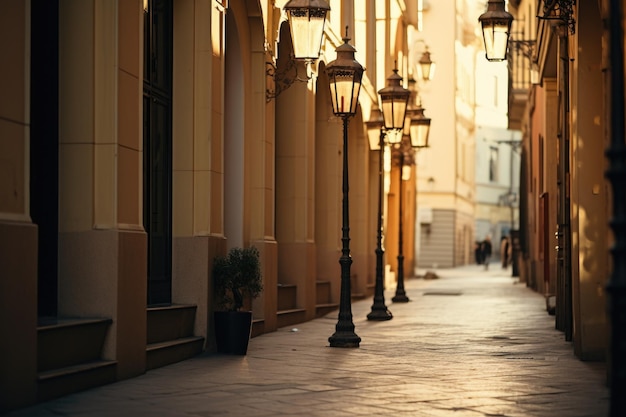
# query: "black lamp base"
400,298
380,314
344,339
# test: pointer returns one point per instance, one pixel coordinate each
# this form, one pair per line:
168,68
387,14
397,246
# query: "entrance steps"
69,356
170,335
323,299
288,311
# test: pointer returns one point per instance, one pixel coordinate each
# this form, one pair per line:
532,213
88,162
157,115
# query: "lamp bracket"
284,76
508,199
403,150
561,10
420,41
526,47
515,144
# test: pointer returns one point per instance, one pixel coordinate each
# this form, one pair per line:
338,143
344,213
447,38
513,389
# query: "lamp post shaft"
344,335
400,296
379,309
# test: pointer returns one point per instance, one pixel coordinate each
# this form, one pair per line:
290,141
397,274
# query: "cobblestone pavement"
471,343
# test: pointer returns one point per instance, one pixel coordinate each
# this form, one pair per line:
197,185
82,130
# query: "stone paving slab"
472,343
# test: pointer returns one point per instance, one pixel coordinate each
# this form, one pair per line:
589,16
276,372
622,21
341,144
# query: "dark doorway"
44,148
157,148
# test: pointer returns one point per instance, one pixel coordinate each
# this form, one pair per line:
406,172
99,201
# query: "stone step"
323,294
65,342
258,327
170,322
323,309
287,296
58,382
291,317
171,351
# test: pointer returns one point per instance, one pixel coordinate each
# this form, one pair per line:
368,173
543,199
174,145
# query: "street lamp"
426,66
307,19
400,153
377,143
394,99
419,128
345,75
416,124
416,132
496,26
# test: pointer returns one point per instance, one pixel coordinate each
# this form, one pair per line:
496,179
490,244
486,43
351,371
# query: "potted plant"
236,276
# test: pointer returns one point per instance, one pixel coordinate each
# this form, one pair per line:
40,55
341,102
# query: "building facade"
497,184
446,192
497,156
559,99
139,140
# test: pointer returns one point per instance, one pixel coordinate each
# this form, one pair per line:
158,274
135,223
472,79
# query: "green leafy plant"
237,275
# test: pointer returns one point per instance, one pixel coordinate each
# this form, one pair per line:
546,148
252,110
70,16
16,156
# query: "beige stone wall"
194,142
18,236
18,313
102,246
294,219
15,111
545,120
590,256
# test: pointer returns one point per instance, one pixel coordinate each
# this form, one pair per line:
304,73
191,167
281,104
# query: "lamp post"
345,75
496,26
416,132
394,99
400,296
377,143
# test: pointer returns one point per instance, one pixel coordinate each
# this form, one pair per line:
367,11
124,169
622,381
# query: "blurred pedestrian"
486,250
505,251
478,253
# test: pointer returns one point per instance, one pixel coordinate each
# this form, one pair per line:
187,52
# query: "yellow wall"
590,256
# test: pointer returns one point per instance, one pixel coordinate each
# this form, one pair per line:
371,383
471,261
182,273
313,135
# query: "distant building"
446,191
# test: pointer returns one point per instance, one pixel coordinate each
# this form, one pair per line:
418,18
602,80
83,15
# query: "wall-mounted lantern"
307,19
496,26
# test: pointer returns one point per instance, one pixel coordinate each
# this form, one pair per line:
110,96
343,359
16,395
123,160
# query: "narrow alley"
470,343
